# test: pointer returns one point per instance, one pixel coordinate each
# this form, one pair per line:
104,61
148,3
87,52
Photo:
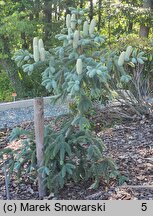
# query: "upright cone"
40,44
85,28
76,39
79,66
121,59
36,53
68,20
92,26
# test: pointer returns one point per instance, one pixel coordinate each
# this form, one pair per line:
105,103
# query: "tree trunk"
39,138
144,29
23,35
99,13
47,19
81,3
130,27
36,9
24,44
11,69
56,13
91,10
59,10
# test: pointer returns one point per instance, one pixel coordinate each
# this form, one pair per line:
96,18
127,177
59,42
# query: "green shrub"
6,88
131,70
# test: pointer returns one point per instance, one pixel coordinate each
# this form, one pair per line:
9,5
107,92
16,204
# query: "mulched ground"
129,143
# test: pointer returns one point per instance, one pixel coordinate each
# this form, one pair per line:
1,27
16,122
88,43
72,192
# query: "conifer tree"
75,73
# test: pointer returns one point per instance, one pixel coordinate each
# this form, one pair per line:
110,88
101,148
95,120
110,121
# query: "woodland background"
122,22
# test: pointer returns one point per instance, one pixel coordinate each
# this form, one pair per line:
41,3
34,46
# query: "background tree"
145,27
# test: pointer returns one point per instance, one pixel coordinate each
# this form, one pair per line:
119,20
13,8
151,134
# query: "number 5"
144,207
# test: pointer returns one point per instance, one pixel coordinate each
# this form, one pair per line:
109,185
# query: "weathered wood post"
39,137
6,181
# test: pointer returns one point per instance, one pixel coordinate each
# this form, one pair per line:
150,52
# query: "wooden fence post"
39,137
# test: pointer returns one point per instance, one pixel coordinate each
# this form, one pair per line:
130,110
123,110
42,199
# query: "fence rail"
21,104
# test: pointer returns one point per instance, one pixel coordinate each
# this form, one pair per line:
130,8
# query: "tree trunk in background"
81,3
59,10
99,13
144,29
130,27
23,37
47,18
91,10
36,9
56,13
11,69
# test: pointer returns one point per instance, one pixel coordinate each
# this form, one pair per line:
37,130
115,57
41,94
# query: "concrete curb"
21,104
